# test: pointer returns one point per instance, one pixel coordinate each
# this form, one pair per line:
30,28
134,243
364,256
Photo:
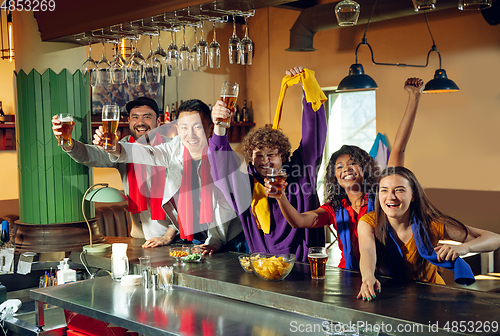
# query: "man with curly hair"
268,231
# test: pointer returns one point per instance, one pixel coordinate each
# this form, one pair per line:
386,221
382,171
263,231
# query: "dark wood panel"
73,17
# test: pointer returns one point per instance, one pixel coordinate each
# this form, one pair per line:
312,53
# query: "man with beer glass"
268,150
204,216
143,185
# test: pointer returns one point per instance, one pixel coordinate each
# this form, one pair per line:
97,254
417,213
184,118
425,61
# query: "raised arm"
414,86
477,240
88,155
367,262
309,219
314,129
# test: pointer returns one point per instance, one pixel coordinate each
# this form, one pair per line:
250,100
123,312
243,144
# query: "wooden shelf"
237,131
8,136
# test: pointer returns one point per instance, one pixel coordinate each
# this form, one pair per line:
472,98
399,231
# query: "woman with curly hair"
400,238
350,177
265,228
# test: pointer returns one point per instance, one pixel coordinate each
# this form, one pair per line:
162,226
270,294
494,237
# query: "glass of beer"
67,123
317,259
110,119
277,178
229,95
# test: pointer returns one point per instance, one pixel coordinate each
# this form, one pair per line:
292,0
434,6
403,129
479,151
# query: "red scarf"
185,202
138,194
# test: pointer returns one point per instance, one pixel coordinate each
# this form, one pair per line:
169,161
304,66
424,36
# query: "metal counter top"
417,307
178,312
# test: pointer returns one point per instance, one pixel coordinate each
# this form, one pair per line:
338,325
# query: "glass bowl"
194,255
272,267
244,260
179,253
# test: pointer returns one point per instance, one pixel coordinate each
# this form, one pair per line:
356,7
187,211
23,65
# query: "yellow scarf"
315,96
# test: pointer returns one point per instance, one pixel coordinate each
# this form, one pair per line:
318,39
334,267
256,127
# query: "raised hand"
414,85
294,71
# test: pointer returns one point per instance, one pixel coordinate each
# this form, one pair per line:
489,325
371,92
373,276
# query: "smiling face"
142,119
265,158
395,197
193,132
348,173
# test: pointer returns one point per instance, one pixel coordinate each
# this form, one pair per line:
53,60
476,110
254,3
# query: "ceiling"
84,16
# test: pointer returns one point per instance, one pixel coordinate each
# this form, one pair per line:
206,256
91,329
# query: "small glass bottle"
244,112
237,115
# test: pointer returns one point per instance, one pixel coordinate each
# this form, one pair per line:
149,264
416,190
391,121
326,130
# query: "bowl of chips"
245,262
272,267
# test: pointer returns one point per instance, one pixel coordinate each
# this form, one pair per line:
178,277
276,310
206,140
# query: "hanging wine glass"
135,67
117,68
152,69
161,55
195,65
214,52
173,53
103,69
246,47
184,51
202,49
234,45
89,69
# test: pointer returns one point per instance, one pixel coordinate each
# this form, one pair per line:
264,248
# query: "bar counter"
218,291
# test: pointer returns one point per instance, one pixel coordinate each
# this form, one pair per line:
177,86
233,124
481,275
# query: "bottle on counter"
65,274
2,114
244,112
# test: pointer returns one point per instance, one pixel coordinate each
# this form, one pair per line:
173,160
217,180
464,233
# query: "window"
351,119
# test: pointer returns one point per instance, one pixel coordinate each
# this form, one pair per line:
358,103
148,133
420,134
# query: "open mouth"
141,130
349,177
193,142
392,205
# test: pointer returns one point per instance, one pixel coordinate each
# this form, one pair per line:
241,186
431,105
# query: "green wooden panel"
51,148
51,183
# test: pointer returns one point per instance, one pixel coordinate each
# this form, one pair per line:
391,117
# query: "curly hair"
422,209
266,137
334,193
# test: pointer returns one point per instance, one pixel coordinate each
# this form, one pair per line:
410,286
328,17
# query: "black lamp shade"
440,83
357,80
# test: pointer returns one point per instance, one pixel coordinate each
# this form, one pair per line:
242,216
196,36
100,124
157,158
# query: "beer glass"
110,119
67,123
276,179
317,259
229,95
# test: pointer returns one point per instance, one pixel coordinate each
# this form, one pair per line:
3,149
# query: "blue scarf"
395,263
344,234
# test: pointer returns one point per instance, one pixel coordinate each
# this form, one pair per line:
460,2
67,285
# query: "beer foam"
110,119
66,119
317,255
